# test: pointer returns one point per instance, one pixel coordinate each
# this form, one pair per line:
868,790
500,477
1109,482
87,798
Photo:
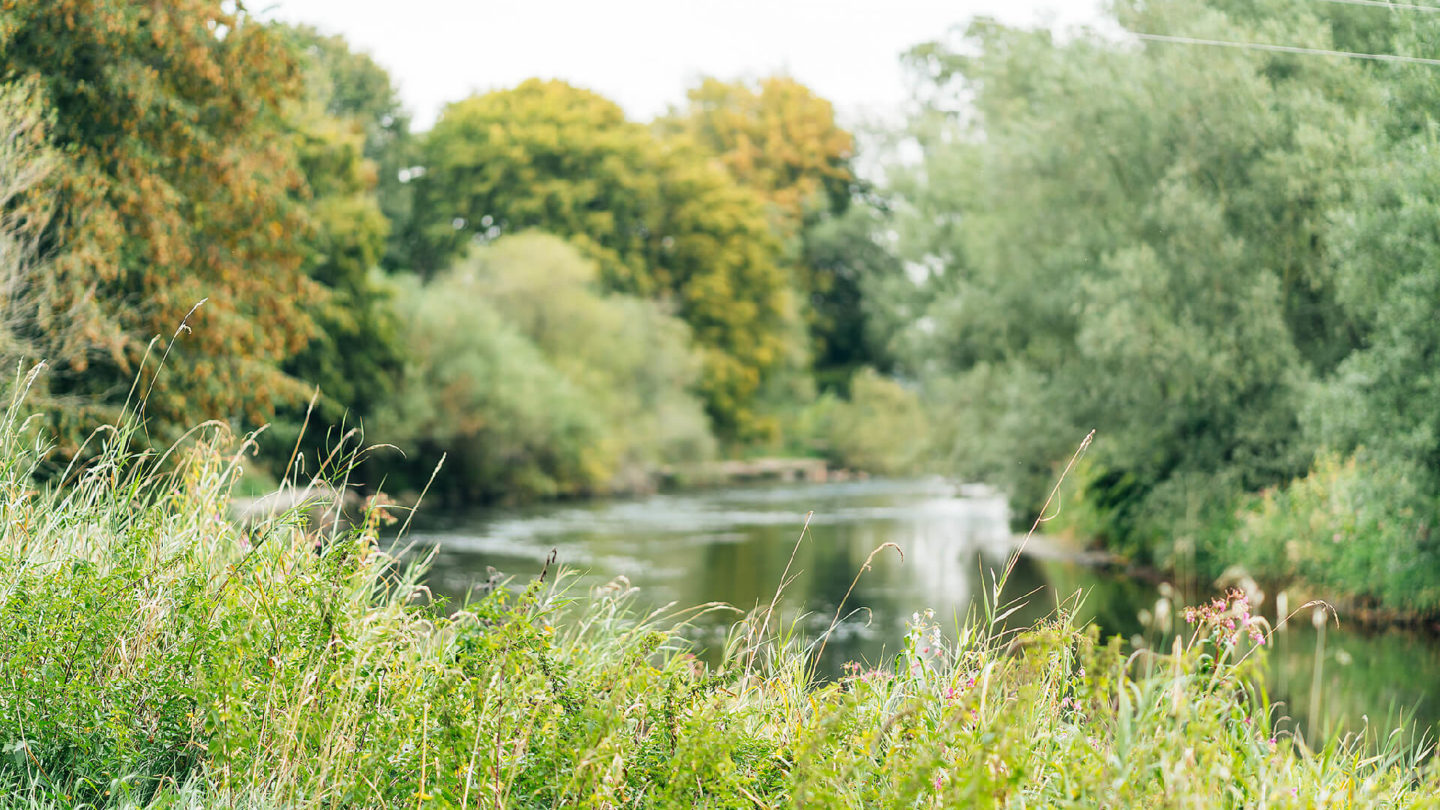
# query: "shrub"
1353,527
881,428
536,382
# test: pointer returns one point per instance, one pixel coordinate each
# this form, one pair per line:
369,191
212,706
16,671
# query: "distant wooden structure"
753,470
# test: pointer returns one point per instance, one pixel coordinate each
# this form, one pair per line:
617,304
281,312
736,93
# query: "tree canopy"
660,221
1212,255
777,137
176,188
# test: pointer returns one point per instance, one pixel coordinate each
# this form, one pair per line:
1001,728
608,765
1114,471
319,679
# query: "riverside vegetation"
154,653
1220,255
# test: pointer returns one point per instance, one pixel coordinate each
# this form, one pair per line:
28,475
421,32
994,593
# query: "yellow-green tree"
174,188
655,214
780,139
775,136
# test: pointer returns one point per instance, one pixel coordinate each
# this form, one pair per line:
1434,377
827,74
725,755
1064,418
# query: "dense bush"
1354,528
880,428
536,382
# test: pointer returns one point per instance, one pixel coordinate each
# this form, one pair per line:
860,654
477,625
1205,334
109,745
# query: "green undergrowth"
156,653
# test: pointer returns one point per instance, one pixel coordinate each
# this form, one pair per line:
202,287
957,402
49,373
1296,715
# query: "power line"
1383,4
1262,46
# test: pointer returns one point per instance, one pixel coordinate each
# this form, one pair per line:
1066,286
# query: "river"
732,545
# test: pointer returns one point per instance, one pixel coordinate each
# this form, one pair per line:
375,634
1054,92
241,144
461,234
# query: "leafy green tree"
636,364
775,136
851,270
778,137
477,392
660,221
176,187
1385,395
352,87
1134,240
536,381
353,359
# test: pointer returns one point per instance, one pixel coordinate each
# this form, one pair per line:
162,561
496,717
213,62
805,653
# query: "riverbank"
157,654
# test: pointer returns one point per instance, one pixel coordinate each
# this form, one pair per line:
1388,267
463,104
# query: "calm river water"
731,546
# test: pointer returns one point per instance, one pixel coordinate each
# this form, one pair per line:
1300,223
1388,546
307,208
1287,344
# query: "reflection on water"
732,546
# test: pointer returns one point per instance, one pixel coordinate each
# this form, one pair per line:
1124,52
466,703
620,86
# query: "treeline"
1223,257
559,298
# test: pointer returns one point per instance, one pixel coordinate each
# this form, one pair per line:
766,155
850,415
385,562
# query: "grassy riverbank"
154,653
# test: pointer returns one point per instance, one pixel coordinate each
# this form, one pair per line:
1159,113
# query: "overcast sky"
644,53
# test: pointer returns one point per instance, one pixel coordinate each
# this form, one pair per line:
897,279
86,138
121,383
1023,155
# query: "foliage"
1385,395
475,389
881,428
157,654
1134,239
851,271
777,137
1353,528
26,164
176,187
352,87
353,358
537,382
635,363
660,221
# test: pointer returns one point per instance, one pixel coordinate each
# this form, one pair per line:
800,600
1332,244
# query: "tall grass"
154,653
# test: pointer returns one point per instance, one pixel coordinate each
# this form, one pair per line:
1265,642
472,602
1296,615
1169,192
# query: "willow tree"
1137,239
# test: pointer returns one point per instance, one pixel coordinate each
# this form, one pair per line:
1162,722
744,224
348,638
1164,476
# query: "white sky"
645,53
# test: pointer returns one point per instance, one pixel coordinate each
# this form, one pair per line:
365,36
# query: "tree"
636,364
354,357
659,220
27,162
1385,396
1134,239
777,137
176,187
536,381
350,86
